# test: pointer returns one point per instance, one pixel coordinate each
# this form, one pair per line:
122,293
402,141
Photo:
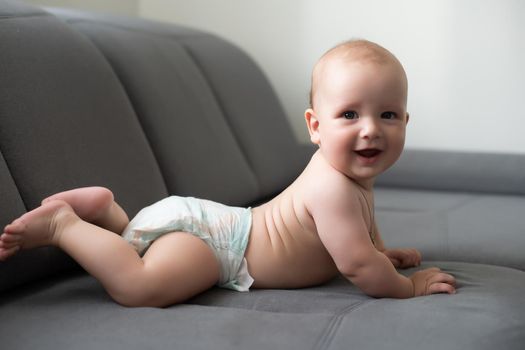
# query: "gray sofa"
150,109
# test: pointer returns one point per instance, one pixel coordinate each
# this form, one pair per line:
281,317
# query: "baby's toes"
10,238
8,241
15,228
7,253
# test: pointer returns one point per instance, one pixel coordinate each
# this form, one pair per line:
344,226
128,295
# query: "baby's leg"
176,267
95,205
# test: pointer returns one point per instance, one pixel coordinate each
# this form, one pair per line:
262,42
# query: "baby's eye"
388,115
350,115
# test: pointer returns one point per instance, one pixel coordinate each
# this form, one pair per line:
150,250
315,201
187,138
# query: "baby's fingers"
441,288
442,283
413,257
418,257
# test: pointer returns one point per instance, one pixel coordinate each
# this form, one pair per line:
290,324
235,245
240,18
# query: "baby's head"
357,111
357,52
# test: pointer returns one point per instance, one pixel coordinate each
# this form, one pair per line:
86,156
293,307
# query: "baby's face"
360,109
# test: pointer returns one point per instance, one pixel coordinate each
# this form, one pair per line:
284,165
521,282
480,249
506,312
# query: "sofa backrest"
214,123
143,108
458,172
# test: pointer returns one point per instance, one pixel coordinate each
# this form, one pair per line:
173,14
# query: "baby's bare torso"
285,250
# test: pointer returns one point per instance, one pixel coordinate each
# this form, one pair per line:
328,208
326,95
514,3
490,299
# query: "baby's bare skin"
285,249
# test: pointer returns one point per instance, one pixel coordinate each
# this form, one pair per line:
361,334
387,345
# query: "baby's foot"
37,228
89,203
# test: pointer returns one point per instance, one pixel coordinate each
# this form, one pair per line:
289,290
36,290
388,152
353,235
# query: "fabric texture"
485,314
189,81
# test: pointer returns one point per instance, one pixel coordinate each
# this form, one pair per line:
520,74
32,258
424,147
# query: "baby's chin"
364,177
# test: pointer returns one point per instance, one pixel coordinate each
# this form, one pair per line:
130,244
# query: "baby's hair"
356,50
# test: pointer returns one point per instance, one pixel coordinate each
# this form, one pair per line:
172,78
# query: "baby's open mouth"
368,153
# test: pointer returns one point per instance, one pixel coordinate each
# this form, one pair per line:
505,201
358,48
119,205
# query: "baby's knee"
131,297
140,295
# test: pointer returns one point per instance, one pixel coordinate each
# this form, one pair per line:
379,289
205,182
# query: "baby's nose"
369,128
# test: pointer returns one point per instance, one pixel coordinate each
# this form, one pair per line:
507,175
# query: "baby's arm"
342,229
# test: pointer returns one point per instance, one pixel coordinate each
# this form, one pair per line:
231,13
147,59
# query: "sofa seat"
76,313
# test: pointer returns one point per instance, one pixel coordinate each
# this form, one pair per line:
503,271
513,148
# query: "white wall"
465,58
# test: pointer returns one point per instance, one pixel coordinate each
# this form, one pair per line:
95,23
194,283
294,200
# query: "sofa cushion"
65,122
458,226
196,150
195,91
486,313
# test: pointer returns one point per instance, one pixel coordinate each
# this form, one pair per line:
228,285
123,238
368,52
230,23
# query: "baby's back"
284,249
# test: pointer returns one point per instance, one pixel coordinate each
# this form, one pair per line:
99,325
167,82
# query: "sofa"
150,109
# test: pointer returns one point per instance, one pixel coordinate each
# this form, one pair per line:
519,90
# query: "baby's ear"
313,126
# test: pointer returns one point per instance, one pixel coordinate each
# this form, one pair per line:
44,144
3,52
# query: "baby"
322,225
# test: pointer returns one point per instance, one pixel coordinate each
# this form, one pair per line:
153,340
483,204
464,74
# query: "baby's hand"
432,281
403,258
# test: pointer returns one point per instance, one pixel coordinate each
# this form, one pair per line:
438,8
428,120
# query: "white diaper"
224,229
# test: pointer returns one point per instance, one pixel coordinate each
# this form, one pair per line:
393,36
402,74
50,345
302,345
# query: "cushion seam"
328,335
